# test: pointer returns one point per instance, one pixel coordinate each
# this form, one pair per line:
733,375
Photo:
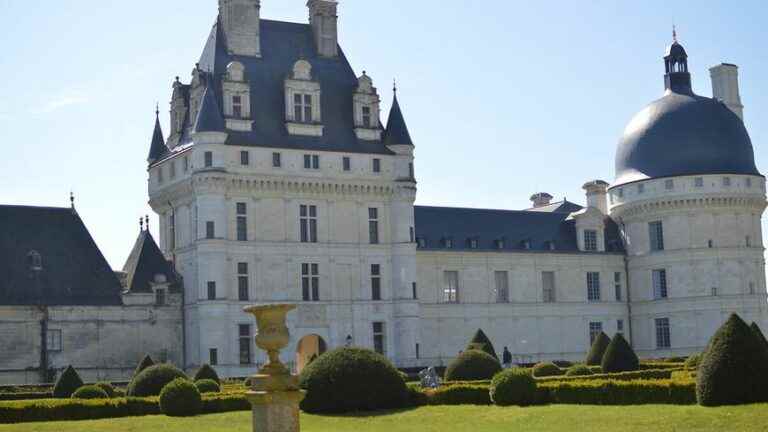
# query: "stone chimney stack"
725,87
324,20
597,195
240,21
541,199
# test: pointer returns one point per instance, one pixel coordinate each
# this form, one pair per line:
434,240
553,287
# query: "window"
502,287
379,338
310,282
375,282
373,225
237,106
346,163
472,243
593,286
450,287
617,285
242,222
621,193
590,240
160,297
172,231
748,182
656,233
411,173
595,328
448,243
659,284
366,117
698,182
751,287
416,292
211,290
242,281
208,159
311,162
53,340
714,291
376,165
663,340
620,326
186,163
548,286
726,181
412,234
302,108
245,158
500,243
213,356
669,184
418,351
748,241
244,337
421,242
308,223
160,175
210,230
276,162
641,188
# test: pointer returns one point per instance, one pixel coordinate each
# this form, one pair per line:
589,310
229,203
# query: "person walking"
506,358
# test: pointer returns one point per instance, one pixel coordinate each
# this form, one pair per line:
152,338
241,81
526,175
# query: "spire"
397,131
209,118
158,148
674,33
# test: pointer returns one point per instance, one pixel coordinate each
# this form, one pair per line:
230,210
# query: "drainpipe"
43,328
628,284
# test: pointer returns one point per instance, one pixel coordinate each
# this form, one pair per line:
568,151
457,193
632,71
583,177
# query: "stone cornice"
665,204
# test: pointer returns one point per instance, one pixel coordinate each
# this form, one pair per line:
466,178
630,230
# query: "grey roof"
515,228
397,131
144,263
282,44
563,206
157,148
74,272
209,117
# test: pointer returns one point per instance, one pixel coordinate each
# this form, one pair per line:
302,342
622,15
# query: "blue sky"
503,98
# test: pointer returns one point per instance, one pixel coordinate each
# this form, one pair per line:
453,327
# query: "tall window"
211,290
172,233
669,184
210,230
310,282
245,158
346,163
213,356
595,328
412,234
663,339
308,223
208,159
159,297
450,287
244,337
416,292
242,281
311,162
411,173
656,232
302,108
242,222
276,160
237,106
698,182
502,287
53,340
620,326
376,165
379,338
366,116
375,282
548,286
593,286
617,285
590,240
659,284
373,225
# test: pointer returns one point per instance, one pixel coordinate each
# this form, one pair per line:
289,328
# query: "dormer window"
447,243
421,242
237,106
34,261
525,244
366,117
473,243
366,111
302,108
237,98
302,101
500,243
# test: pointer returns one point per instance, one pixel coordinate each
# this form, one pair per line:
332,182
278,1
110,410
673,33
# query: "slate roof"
563,206
157,148
209,117
516,228
145,261
74,272
397,131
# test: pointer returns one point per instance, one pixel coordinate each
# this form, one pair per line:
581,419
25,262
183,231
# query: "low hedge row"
461,394
25,396
607,392
650,374
660,365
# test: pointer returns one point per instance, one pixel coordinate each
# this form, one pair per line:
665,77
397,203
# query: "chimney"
541,199
240,21
725,87
597,195
324,21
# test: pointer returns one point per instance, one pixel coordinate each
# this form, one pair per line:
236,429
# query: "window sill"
305,129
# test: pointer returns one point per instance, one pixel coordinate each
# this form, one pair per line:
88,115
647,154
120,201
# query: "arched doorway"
307,349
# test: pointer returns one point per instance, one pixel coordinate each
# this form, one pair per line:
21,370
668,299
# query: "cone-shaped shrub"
734,370
68,383
472,365
481,342
760,336
207,372
619,356
596,352
143,364
152,380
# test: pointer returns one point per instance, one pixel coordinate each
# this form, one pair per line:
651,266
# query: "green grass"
570,418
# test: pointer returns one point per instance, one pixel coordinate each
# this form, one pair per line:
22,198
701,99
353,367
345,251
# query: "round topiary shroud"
90,392
207,372
69,381
513,387
152,380
547,369
180,398
472,365
207,386
351,379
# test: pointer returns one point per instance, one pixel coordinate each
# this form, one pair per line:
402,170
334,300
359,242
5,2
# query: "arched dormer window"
366,109
237,98
302,101
235,71
34,261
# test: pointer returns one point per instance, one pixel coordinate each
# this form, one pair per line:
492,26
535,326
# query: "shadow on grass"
364,414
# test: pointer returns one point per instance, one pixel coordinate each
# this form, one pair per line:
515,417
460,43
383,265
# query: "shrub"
596,352
152,380
207,372
90,392
180,398
351,379
546,370
207,386
734,370
578,370
403,375
653,374
143,364
481,342
68,383
619,356
608,392
693,361
759,334
513,387
462,394
472,365
563,363
107,387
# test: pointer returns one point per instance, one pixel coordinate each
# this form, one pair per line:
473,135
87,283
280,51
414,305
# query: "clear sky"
503,98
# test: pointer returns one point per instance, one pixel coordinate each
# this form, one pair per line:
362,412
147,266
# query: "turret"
157,148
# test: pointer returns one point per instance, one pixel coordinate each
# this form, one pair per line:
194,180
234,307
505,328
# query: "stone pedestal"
275,411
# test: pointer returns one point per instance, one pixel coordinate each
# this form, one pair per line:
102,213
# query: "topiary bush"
472,365
481,342
207,386
351,379
513,387
693,361
597,351
69,381
107,387
207,372
152,380
759,334
578,370
619,356
180,398
546,370
90,392
143,364
734,370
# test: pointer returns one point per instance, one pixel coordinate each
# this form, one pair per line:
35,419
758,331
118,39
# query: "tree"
759,334
481,342
68,383
143,364
597,351
619,356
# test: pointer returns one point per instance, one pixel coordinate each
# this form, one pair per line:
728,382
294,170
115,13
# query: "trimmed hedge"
152,380
597,350
621,376
660,365
513,387
481,342
143,364
207,386
619,356
759,334
107,387
25,396
606,392
462,394
693,361
207,372
547,370
68,383
180,398
472,365
578,370
90,392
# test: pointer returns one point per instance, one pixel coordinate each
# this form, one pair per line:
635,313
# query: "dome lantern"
677,78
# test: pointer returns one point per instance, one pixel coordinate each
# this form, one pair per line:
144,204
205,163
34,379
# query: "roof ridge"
35,207
485,209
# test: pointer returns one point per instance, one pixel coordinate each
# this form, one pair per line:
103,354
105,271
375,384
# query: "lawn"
570,418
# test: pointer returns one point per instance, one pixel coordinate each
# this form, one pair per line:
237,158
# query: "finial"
72,199
394,85
147,222
157,109
141,224
674,33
